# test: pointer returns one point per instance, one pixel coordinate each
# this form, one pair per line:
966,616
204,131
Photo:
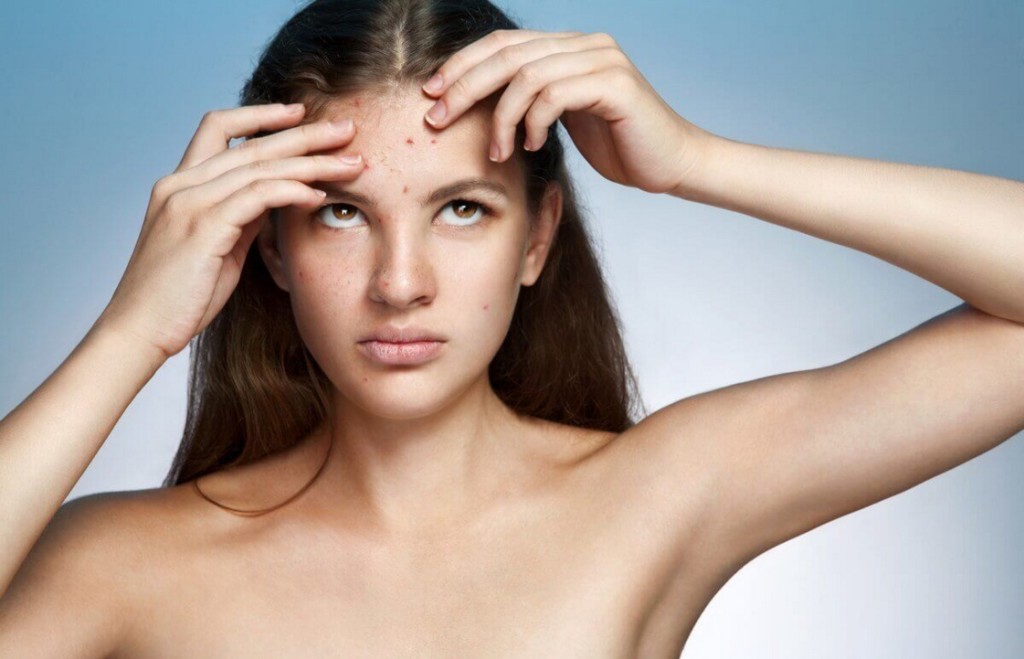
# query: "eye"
343,213
465,212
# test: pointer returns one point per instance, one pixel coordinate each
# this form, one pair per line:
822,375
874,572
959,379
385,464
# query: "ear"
542,234
268,244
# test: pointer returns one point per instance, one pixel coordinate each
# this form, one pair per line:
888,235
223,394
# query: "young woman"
411,428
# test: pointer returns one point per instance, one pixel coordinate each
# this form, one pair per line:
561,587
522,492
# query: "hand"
203,217
615,118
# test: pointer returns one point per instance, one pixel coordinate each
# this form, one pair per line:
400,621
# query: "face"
393,248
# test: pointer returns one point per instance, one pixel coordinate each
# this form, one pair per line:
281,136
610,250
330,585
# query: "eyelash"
485,210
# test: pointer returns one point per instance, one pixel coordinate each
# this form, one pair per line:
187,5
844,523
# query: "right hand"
203,217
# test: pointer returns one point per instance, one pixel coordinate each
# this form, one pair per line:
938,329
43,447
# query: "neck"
425,470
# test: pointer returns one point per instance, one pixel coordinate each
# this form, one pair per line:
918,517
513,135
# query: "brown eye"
460,208
332,213
465,213
342,211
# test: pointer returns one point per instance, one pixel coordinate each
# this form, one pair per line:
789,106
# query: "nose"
403,275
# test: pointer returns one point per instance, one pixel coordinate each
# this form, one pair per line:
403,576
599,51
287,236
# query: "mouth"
407,334
401,353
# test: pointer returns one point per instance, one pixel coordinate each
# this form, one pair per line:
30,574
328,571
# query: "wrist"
696,181
129,344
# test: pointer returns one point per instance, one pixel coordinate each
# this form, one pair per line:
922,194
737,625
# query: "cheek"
484,276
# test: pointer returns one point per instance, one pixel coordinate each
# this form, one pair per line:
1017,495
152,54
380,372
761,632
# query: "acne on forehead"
390,127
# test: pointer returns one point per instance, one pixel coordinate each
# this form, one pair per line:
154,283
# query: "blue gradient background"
101,98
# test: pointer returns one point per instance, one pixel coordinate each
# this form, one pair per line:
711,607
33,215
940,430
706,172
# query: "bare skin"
554,540
574,560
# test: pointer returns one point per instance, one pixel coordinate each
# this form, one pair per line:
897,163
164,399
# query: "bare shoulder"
83,575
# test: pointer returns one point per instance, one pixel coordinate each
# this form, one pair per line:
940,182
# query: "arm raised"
786,453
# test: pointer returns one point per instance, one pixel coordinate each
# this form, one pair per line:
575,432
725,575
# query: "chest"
580,579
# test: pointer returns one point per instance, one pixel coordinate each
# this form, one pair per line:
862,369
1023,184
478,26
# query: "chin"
400,396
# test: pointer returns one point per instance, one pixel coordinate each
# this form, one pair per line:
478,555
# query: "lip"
404,353
407,334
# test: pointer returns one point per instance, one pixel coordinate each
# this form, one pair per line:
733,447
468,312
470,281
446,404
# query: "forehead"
395,139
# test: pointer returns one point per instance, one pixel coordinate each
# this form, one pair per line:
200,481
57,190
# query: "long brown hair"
254,389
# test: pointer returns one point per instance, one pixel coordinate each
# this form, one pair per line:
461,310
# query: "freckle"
405,189
486,307
408,140
366,379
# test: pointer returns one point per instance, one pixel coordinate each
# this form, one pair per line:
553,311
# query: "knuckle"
175,204
528,75
550,95
616,56
260,166
163,187
605,39
251,145
459,89
500,36
210,118
508,56
453,64
260,187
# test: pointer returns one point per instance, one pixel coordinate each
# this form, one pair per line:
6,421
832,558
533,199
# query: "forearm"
960,230
47,442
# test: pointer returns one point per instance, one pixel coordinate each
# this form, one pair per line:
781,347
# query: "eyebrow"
452,189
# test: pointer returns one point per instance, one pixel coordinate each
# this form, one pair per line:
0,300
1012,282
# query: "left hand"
623,128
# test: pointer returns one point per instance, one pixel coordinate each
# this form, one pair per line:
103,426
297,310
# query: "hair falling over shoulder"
255,390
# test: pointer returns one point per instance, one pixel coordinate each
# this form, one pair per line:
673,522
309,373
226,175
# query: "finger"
604,94
300,168
471,55
532,78
495,70
219,127
297,141
226,223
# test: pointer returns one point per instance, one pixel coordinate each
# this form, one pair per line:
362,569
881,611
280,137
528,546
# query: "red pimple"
408,140
359,102
486,307
433,141
405,189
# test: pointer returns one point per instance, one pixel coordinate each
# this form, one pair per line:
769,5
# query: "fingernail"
342,126
495,152
433,84
527,145
436,113
293,107
352,160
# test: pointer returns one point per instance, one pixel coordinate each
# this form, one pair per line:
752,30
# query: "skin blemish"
405,189
486,307
433,141
408,140
359,102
